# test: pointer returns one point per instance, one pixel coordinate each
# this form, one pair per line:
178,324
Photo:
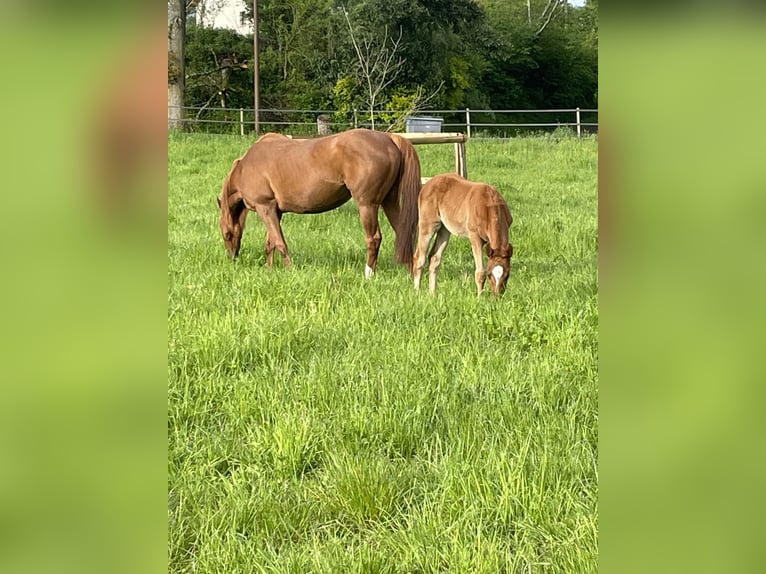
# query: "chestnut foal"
449,204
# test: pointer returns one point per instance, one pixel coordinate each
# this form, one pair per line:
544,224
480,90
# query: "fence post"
468,122
241,122
457,159
323,125
463,161
355,119
577,112
460,159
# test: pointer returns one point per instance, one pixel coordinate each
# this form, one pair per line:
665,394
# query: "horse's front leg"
369,216
480,275
270,246
271,217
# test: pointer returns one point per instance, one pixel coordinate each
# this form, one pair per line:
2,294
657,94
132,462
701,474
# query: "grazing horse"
450,204
280,175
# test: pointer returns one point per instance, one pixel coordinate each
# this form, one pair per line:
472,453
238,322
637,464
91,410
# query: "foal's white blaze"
367,272
497,272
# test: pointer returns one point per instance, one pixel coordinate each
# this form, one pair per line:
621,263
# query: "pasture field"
318,422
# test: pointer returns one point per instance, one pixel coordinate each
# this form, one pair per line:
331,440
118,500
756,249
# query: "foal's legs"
440,244
369,216
426,230
480,275
271,217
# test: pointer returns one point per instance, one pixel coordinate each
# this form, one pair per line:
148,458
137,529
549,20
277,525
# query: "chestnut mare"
450,204
282,175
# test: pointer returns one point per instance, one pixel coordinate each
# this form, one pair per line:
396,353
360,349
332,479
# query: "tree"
545,55
377,63
176,67
298,63
441,45
218,69
399,55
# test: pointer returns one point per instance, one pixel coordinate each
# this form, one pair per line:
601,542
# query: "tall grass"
319,422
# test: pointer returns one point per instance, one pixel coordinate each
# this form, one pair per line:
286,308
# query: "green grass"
319,422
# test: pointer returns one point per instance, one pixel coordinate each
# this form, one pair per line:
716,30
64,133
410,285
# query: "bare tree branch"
207,103
551,8
378,64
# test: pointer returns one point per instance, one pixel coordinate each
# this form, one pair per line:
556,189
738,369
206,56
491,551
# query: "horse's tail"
406,192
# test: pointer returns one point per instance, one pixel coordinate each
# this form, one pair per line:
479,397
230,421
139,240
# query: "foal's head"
232,226
499,265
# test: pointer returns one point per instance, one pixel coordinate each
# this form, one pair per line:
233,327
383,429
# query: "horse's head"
499,265
233,214
232,226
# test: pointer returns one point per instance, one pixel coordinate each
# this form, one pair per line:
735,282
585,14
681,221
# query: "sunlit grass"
320,422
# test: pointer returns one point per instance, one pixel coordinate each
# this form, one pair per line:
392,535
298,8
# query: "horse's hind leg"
426,230
369,216
435,256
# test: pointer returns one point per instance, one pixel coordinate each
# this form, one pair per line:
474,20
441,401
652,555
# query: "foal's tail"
406,193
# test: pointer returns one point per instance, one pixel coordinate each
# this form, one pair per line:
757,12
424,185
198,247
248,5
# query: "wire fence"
474,123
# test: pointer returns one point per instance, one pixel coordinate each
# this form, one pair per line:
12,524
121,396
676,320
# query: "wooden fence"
457,138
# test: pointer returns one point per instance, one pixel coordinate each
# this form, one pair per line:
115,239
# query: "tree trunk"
176,68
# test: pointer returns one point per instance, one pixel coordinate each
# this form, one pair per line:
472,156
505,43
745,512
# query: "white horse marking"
368,271
497,272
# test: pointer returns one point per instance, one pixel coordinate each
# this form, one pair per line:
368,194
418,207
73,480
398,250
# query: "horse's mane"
232,207
498,204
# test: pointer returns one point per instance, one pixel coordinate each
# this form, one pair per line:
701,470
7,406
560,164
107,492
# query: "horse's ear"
218,199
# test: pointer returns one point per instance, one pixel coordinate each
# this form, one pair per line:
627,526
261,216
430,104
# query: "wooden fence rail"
457,138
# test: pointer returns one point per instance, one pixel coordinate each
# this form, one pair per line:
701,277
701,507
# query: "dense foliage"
481,54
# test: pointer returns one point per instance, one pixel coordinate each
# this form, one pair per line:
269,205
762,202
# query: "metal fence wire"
474,123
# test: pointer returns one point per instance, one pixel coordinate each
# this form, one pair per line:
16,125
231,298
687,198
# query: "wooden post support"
460,159
457,158
241,122
463,166
457,138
